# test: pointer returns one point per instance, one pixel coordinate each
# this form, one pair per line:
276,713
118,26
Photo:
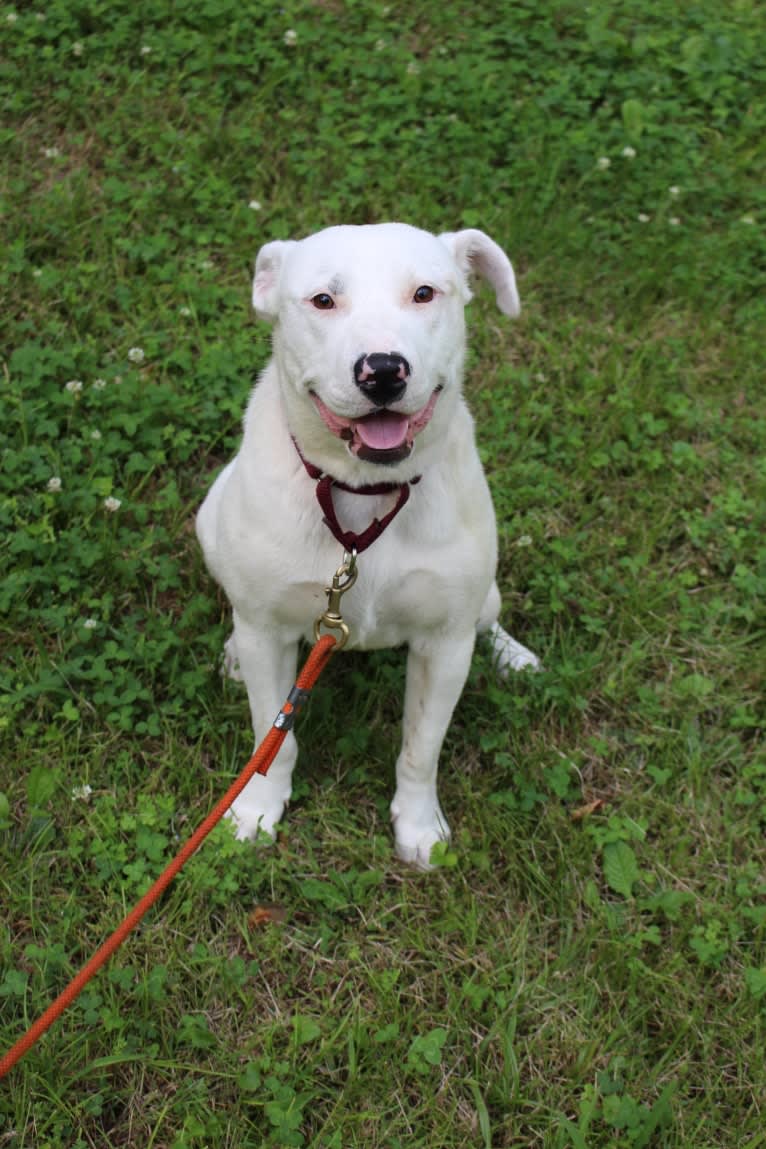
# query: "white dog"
361,408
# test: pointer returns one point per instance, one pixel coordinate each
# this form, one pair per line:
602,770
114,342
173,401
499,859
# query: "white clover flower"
674,221
643,217
413,68
291,37
206,265
524,541
255,205
629,152
603,162
54,484
90,623
749,220
674,191
81,793
111,504
145,50
74,386
37,273
95,435
380,45
78,48
99,384
40,17
11,18
185,312
136,355
540,377
51,153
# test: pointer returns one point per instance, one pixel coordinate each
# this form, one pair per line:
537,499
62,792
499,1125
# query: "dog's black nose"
382,377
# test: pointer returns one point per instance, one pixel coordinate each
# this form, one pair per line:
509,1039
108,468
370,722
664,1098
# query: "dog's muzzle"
382,436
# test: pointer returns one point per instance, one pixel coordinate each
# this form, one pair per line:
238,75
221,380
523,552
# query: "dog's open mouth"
383,436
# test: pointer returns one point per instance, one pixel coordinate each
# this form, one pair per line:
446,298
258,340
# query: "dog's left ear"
268,266
476,254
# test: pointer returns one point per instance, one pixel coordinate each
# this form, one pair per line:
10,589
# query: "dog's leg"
267,665
436,674
507,653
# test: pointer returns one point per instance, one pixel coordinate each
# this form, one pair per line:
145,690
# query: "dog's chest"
383,609
405,586
431,567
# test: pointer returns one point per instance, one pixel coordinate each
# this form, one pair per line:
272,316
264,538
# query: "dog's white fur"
429,580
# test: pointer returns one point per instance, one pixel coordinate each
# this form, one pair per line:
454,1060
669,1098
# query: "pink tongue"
384,430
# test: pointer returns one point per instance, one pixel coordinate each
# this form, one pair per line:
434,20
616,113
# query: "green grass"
565,979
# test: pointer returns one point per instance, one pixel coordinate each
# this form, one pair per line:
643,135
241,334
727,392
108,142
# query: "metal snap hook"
342,581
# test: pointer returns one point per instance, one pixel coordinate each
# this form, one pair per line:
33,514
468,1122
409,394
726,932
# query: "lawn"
586,967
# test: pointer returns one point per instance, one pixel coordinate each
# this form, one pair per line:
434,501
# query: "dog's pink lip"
380,432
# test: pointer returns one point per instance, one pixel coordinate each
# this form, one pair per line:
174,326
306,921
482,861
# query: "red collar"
349,540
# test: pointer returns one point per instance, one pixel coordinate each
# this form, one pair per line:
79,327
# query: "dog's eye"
323,301
423,294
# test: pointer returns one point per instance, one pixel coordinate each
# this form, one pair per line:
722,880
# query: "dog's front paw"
258,809
416,838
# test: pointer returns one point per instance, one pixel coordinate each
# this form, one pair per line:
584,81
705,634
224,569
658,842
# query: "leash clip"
343,579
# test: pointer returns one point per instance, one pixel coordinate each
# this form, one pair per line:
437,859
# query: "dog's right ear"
268,267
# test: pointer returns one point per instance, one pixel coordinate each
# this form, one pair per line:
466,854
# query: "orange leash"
258,764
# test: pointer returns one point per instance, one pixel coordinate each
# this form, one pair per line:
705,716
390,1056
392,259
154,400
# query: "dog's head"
369,337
